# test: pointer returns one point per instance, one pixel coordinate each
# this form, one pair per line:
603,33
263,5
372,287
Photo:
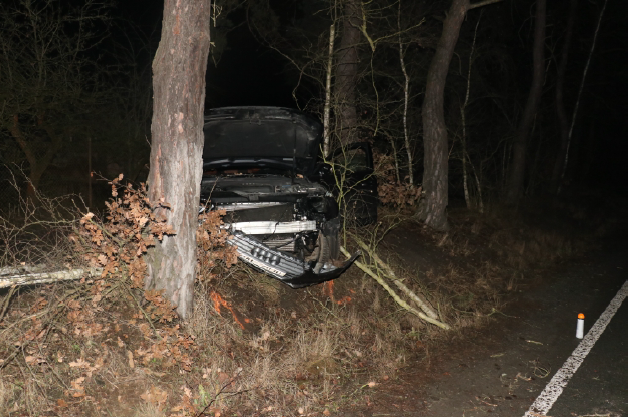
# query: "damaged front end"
286,228
288,269
261,166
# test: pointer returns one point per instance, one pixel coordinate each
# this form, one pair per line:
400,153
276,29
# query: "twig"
7,298
325,307
394,295
482,4
495,311
220,392
391,274
32,316
39,314
28,342
584,76
146,316
485,402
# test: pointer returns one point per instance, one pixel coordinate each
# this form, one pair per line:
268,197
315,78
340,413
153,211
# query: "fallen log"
22,269
46,277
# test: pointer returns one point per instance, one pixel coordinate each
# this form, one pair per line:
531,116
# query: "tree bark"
563,121
433,210
433,207
177,144
519,147
347,73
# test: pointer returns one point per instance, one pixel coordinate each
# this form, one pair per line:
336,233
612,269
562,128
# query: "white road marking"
554,388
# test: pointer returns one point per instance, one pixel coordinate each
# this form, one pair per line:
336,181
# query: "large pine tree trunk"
433,209
563,121
177,144
347,73
519,146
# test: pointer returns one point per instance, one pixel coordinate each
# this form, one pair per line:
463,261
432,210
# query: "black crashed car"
263,166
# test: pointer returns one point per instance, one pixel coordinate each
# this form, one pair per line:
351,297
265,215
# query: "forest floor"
254,347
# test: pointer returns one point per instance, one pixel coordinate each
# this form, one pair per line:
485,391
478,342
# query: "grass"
294,359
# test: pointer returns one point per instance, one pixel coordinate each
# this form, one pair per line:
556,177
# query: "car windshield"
259,139
243,171
352,160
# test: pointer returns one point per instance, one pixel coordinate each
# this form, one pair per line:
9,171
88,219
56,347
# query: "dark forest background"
75,88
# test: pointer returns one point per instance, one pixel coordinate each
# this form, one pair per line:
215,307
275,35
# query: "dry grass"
302,359
294,360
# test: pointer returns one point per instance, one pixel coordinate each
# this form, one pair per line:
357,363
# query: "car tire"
334,246
329,248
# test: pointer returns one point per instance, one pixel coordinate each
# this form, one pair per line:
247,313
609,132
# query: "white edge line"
554,388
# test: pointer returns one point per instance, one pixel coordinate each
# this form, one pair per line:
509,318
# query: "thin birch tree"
406,100
465,154
327,108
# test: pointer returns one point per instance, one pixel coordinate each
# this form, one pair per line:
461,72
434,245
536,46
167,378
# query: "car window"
353,159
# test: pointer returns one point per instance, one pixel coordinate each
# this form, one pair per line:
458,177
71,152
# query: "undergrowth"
104,346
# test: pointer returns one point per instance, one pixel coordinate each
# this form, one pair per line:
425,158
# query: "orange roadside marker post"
580,327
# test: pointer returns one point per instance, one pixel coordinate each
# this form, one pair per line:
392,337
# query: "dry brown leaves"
212,244
131,226
390,191
159,308
155,396
185,407
118,243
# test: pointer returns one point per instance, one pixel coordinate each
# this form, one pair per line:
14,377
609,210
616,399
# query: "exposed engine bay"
262,166
286,227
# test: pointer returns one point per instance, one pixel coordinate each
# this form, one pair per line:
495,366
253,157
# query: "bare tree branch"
482,3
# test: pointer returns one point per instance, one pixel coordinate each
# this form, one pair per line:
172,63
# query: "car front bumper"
287,269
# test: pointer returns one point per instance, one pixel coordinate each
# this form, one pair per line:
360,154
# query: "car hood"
274,137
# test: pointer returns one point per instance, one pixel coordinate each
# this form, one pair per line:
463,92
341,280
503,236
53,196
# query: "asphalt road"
600,386
505,367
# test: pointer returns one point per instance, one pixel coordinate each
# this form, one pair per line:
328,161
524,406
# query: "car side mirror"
323,168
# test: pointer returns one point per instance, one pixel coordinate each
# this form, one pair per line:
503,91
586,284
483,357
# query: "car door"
354,175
